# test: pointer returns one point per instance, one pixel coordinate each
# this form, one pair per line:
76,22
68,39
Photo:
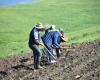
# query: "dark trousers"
58,52
37,55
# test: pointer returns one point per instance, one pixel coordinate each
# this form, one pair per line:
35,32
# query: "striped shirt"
51,38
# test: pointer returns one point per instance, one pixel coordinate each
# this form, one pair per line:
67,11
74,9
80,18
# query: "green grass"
80,20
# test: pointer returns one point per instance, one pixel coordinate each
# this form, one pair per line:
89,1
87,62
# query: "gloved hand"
54,46
41,43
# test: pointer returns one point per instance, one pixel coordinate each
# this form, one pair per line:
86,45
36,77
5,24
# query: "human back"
48,38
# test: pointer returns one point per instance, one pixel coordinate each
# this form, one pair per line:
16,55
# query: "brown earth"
78,62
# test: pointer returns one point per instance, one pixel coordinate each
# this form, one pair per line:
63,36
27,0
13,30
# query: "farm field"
80,59
78,62
80,20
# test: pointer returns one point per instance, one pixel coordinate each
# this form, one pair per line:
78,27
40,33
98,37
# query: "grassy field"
80,20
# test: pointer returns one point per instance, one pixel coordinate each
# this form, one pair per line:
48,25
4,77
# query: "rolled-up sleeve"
36,35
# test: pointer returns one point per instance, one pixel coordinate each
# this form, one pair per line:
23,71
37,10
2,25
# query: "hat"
53,26
39,26
64,38
47,26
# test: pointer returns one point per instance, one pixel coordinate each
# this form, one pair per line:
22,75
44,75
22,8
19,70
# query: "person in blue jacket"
50,39
34,42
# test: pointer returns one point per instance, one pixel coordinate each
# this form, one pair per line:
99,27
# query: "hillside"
80,20
78,62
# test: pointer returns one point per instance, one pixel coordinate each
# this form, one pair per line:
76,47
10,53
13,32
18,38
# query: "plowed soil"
77,62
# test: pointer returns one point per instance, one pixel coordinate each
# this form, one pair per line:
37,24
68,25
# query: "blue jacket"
51,38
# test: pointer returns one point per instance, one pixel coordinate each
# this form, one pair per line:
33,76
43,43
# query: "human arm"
36,37
55,40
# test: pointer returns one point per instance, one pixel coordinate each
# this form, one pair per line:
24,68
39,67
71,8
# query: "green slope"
80,20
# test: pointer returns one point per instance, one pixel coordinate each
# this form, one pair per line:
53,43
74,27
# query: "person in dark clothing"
34,42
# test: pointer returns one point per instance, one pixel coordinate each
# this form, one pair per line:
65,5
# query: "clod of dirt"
24,60
77,76
4,73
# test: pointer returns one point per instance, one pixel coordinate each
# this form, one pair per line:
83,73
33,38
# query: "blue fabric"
34,35
55,39
51,38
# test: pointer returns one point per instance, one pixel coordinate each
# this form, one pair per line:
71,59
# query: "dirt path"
79,62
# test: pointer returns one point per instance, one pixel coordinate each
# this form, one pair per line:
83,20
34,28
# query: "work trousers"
37,55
